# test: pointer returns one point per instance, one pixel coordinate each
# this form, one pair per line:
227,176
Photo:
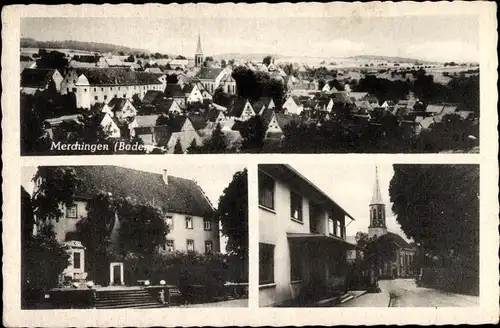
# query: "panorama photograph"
255,84
135,236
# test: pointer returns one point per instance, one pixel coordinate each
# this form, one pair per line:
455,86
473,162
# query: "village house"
168,106
121,108
193,93
210,78
63,125
192,226
292,105
39,79
302,238
181,130
175,92
92,85
88,61
240,109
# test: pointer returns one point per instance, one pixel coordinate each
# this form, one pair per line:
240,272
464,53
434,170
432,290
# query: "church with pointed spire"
400,264
198,55
377,225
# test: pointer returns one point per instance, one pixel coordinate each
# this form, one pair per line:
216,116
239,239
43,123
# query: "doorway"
116,273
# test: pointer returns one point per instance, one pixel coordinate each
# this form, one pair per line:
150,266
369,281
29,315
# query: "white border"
488,310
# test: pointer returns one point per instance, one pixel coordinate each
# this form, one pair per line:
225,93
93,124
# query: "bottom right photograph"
368,235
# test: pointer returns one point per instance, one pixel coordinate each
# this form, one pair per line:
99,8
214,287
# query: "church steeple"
377,225
376,197
198,48
198,56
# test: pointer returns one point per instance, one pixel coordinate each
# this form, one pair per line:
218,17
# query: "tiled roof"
151,96
179,196
174,91
397,239
163,105
236,106
199,122
36,77
209,73
116,104
117,76
213,114
266,116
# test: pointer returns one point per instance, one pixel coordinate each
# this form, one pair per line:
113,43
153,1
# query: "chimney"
165,176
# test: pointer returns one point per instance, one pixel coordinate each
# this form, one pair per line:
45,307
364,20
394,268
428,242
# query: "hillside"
391,59
79,45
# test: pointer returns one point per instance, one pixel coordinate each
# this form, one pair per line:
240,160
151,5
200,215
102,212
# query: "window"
74,89
208,246
118,88
207,224
105,97
190,245
189,222
169,221
102,89
111,88
95,89
330,226
96,98
266,263
338,229
295,264
296,206
68,89
169,246
85,90
124,95
71,211
77,260
266,191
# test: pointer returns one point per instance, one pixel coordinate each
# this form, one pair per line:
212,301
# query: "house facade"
35,79
93,85
192,226
301,236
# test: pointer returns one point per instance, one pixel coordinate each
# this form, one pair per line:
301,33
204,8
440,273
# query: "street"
405,293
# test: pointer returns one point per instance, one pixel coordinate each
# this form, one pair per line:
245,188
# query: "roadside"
231,303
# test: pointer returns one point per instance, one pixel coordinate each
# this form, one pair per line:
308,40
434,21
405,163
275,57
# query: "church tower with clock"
377,225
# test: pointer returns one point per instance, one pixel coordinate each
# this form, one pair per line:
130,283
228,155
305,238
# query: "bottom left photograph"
109,237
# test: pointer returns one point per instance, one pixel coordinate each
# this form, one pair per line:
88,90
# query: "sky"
434,38
351,187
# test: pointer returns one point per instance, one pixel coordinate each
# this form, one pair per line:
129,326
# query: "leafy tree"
178,147
217,143
232,212
221,98
56,185
53,59
253,135
267,60
223,63
180,57
438,205
377,250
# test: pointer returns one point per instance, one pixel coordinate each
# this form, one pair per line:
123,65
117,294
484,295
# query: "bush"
189,271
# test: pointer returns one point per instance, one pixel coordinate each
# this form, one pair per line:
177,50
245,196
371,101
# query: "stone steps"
133,298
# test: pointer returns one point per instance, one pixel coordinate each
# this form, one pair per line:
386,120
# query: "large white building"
302,237
97,85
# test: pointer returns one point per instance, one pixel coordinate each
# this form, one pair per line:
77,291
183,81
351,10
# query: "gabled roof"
266,116
116,104
117,76
151,96
213,114
36,77
208,73
176,124
397,239
174,91
180,195
199,122
236,106
163,105
188,88
228,77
